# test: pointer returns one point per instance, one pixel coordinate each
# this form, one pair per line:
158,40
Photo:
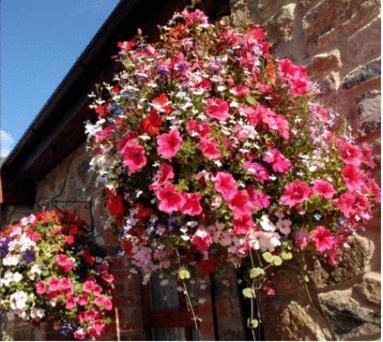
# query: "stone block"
369,288
330,83
368,111
361,74
293,320
279,27
354,260
265,9
363,45
323,63
348,319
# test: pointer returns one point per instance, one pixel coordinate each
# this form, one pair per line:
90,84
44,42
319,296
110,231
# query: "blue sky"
40,40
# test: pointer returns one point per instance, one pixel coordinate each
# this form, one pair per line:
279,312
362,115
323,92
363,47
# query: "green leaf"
248,292
286,255
250,100
183,274
277,260
256,272
254,323
268,257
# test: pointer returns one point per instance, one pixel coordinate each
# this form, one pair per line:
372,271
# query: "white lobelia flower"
284,226
18,300
266,224
11,260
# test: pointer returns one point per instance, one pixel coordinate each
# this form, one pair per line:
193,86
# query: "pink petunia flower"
353,177
192,204
133,156
170,199
349,153
64,262
279,162
54,284
79,334
89,286
217,109
41,287
240,203
202,240
203,130
70,303
295,193
102,301
83,299
66,286
323,188
257,170
242,224
259,199
225,185
352,204
209,148
96,329
164,175
322,238
103,134
169,144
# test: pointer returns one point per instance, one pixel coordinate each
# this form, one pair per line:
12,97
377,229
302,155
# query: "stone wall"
339,42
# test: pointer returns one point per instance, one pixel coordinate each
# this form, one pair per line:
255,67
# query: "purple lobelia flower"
29,256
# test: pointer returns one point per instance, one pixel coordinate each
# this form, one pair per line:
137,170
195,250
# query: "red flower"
151,124
161,104
202,240
102,110
127,246
127,45
89,259
295,193
115,204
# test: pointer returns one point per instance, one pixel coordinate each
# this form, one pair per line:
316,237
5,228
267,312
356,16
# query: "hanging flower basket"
51,271
211,151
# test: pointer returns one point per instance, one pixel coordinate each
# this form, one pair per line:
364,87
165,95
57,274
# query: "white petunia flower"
11,260
18,300
266,224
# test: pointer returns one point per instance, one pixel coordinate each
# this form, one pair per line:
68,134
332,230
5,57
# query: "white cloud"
6,143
